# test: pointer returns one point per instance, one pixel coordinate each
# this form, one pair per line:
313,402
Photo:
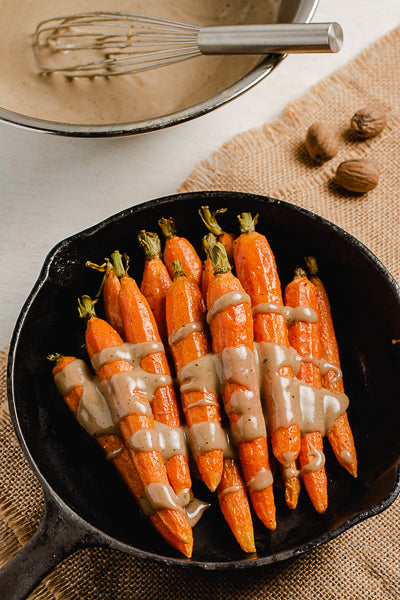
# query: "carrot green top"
209,219
219,258
86,307
247,222
118,265
167,227
150,243
178,269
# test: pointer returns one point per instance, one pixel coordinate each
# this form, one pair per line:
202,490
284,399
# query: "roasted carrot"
231,324
185,311
304,337
179,248
208,269
234,505
148,463
140,327
110,288
116,451
156,279
340,436
257,272
210,221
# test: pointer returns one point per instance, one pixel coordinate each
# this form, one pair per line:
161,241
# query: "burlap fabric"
363,563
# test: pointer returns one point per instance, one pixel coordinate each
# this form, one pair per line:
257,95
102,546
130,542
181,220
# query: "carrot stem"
150,243
247,222
210,221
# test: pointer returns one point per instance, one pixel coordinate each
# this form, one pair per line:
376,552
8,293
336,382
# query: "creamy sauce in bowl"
124,98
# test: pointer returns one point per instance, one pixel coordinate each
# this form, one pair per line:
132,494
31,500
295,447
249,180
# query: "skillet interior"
366,311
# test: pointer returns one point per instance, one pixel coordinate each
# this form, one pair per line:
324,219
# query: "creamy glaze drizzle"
157,496
230,490
114,453
93,413
316,463
183,332
226,301
167,440
206,436
195,510
133,353
289,313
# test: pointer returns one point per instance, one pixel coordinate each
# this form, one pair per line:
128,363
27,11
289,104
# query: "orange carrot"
257,272
149,464
185,308
235,506
232,335
114,447
156,279
140,326
210,221
179,248
340,436
304,337
109,288
208,269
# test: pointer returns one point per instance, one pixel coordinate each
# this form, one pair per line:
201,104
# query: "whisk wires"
111,43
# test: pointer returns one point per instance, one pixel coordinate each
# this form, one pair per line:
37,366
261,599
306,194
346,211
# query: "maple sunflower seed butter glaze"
93,413
290,314
125,98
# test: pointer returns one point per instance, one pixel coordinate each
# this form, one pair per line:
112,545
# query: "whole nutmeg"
357,175
368,122
322,142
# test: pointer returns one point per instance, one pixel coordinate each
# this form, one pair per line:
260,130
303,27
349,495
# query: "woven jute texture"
364,562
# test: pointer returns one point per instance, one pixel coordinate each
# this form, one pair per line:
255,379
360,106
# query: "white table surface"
52,187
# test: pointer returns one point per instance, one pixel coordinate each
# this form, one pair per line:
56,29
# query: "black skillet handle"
59,535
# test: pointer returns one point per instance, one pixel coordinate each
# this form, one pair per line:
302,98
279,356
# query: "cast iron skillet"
87,504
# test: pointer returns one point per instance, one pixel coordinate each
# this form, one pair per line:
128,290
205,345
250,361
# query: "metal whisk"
116,43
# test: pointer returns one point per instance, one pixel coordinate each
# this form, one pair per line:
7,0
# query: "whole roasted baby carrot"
148,461
257,272
185,312
304,337
109,288
113,446
179,248
210,221
141,327
208,269
231,324
340,435
156,279
234,505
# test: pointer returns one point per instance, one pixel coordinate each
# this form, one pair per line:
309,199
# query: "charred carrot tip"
292,491
86,307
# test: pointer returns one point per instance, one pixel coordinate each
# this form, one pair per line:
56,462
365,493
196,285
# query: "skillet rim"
105,540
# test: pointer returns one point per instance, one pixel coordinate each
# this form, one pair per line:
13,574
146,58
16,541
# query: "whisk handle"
276,38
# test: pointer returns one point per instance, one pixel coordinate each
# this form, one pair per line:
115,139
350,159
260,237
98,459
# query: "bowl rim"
109,540
304,14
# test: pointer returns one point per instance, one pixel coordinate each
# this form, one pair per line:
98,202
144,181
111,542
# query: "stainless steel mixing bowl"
291,11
